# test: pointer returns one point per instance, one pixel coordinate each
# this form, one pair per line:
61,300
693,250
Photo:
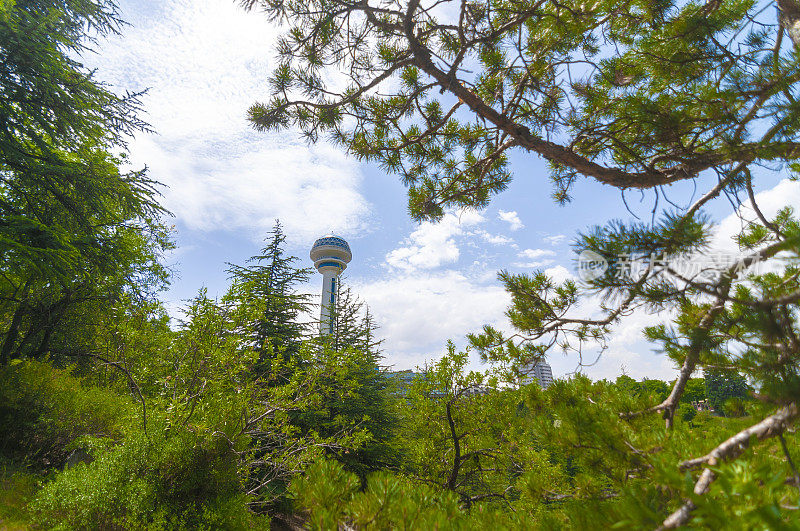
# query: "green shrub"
734,407
686,412
171,479
44,410
329,496
17,486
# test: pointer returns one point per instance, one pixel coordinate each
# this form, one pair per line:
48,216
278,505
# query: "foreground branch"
771,426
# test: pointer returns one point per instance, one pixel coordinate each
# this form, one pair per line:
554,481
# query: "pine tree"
370,403
77,233
353,324
266,291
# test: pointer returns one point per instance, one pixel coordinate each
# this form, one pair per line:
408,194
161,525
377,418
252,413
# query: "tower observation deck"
331,255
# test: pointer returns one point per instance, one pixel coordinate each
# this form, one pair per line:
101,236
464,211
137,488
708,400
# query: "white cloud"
433,244
418,312
494,239
555,240
534,258
312,190
627,348
512,218
559,273
204,65
535,253
785,193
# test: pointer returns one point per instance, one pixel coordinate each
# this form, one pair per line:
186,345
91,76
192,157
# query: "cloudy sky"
205,62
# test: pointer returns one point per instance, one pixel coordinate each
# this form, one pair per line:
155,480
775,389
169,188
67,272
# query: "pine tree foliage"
369,403
353,324
638,95
635,96
57,125
78,234
182,425
267,289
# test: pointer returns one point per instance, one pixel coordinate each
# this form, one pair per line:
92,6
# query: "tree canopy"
636,95
633,95
112,415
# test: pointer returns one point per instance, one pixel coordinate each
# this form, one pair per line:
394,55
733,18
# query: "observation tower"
331,255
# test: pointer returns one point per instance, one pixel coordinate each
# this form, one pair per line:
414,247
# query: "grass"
17,487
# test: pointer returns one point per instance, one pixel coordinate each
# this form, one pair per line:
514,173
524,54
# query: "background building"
539,372
331,255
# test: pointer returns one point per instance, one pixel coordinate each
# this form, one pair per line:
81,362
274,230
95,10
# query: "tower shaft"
331,255
330,291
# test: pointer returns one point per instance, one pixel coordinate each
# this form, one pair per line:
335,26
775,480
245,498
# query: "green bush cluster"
168,477
45,410
329,497
162,480
17,487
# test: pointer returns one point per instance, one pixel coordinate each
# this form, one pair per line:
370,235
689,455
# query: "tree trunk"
44,345
13,329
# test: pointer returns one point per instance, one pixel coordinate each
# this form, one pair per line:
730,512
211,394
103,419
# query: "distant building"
475,390
404,378
703,405
539,372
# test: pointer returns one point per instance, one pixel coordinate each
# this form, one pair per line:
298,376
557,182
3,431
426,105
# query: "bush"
686,412
44,410
330,497
16,488
168,480
734,407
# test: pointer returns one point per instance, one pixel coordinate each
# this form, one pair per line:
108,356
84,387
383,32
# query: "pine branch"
772,426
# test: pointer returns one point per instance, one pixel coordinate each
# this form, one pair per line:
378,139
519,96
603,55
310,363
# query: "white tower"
331,255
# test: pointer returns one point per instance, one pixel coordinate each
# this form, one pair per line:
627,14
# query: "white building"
539,372
331,255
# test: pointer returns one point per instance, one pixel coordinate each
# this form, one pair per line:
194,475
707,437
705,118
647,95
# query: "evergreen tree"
266,289
371,403
57,126
353,324
77,233
722,385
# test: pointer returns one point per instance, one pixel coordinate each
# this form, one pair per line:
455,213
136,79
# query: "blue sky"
204,63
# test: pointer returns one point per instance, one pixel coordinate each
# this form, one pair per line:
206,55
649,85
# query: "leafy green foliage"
330,496
45,411
237,410
164,480
722,386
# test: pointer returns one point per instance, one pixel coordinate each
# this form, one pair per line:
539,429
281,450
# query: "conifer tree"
353,324
370,404
78,233
267,289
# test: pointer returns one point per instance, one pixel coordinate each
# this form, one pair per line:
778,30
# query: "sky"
203,63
